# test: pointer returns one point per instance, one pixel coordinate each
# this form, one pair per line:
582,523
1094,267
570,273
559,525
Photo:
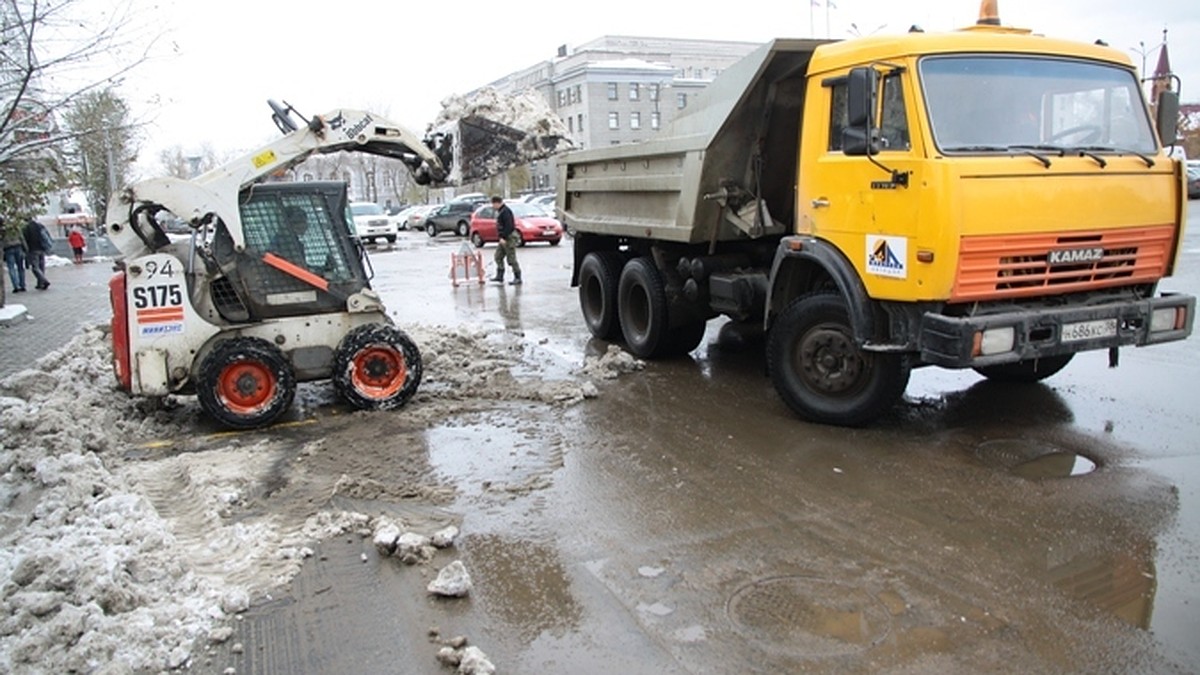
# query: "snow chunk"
452,581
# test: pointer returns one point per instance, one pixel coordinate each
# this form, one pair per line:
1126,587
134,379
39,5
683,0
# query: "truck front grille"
1024,265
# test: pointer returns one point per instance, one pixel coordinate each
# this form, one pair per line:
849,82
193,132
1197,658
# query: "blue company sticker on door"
887,256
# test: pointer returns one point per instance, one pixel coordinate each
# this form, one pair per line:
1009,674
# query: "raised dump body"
740,138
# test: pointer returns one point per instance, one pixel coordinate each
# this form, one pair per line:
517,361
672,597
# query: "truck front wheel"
1031,370
598,275
819,370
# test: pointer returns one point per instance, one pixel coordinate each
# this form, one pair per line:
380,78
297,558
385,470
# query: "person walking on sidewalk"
506,230
14,255
77,243
39,245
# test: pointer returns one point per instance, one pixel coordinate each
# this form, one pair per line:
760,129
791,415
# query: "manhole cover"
809,616
1033,460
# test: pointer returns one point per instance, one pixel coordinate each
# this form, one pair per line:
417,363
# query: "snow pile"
91,573
115,554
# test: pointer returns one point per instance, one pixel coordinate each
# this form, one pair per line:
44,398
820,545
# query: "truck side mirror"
1167,117
861,137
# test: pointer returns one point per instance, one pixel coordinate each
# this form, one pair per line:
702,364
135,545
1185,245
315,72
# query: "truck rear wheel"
598,276
1028,371
246,383
819,370
377,367
645,315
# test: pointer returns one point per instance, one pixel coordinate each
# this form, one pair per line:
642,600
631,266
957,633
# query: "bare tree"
103,142
49,54
175,162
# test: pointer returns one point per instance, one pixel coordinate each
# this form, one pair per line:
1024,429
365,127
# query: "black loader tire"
246,383
377,367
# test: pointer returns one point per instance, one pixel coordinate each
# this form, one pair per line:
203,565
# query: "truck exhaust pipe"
989,13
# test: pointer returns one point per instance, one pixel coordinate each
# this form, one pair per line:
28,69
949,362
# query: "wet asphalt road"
685,522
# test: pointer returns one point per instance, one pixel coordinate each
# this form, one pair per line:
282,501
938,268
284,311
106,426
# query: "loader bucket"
474,148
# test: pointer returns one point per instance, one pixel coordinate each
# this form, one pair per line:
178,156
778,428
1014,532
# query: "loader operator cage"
305,225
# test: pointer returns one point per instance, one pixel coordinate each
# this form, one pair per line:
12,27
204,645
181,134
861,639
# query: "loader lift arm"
213,195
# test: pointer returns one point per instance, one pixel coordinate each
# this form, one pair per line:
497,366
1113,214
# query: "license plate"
1089,330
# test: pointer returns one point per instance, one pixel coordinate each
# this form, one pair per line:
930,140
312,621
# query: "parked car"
1193,182
531,221
411,217
394,215
371,223
544,201
451,217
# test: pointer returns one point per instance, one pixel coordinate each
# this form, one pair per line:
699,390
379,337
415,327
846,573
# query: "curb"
10,312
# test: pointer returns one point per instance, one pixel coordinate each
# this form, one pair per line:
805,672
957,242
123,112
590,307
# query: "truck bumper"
965,342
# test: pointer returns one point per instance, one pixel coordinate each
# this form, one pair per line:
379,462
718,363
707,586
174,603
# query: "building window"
653,92
655,120
578,93
612,91
562,98
614,120
635,120
681,101
571,124
579,126
634,91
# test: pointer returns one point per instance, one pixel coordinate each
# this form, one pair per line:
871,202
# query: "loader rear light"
120,331
1168,318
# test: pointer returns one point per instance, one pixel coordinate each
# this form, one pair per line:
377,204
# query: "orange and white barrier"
466,264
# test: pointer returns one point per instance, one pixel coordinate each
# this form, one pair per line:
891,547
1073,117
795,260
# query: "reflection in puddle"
525,583
1055,465
1121,584
812,617
494,457
1032,460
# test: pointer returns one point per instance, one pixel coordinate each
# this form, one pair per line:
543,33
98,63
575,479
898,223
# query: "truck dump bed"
740,137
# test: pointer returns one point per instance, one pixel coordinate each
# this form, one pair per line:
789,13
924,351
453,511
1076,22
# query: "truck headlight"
1164,319
997,340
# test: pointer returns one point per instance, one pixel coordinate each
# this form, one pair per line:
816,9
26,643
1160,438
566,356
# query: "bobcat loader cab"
270,290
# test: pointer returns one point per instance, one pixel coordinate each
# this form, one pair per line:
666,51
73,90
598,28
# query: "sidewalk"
78,295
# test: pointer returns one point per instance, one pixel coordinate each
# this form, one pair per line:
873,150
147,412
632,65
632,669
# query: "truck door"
868,209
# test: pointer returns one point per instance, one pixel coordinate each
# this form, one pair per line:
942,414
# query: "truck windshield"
979,104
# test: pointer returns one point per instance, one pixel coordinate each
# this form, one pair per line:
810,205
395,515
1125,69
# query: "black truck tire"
246,383
819,370
645,314
599,274
376,367
1028,371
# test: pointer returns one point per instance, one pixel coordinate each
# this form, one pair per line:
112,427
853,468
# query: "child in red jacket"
76,241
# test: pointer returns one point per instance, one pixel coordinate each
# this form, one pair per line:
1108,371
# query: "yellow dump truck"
987,198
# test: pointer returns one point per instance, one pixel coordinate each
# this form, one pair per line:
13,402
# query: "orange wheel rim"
378,372
246,387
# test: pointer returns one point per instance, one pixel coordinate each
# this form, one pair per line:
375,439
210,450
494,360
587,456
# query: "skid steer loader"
271,289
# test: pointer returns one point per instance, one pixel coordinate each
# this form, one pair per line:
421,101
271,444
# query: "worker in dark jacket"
506,230
39,244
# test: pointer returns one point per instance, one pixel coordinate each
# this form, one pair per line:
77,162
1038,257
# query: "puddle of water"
1055,465
1032,460
809,616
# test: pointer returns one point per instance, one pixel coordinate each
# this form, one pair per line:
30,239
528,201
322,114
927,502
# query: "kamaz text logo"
1075,256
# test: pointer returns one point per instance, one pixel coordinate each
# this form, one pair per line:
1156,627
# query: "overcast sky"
218,61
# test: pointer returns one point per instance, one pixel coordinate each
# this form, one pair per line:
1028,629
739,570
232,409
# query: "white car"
371,223
412,217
